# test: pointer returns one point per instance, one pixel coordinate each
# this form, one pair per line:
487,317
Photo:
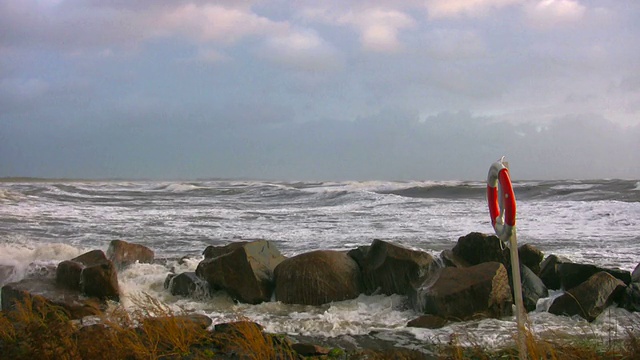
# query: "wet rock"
187,284
246,273
460,294
428,322
453,260
359,254
317,277
90,273
549,271
212,251
123,253
532,287
45,291
572,274
394,269
590,298
476,248
305,349
631,297
531,257
184,321
635,275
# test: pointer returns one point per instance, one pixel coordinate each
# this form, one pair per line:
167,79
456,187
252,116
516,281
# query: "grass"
37,330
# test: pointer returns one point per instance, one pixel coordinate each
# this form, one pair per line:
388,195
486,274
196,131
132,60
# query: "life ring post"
502,210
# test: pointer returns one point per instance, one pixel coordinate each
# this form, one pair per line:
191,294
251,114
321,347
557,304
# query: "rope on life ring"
502,200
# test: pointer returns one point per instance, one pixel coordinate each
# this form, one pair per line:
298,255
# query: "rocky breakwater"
80,286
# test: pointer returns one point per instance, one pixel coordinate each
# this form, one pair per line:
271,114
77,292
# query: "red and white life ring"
502,200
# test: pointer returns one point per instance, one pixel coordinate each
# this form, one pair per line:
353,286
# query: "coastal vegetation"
40,330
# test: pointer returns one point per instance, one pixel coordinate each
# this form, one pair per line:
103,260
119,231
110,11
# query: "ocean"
588,221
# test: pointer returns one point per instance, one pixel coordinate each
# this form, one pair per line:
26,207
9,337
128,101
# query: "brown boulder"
245,273
90,273
476,248
187,284
572,274
44,290
428,322
466,293
549,271
531,257
212,251
451,259
394,269
317,277
123,253
590,298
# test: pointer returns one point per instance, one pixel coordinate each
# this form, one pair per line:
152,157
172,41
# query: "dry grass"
36,330
550,348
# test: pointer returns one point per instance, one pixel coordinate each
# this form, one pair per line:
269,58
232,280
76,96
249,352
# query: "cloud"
218,23
302,50
551,13
379,28
440,9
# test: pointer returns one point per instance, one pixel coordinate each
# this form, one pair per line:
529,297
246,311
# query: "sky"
319,90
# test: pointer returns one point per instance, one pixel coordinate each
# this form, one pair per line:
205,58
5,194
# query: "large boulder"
532,287
631,297
476,248
549,271
451,259
460,294
318,277
573,274
42,291
90,273
590,298
531,257
394,269
123,253
187,284
245,273
213,251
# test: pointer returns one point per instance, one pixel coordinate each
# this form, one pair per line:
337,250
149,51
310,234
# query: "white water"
42,224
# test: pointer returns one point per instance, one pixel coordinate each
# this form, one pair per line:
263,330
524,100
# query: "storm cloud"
307,90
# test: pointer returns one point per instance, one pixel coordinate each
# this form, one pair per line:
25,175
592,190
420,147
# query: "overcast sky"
319,90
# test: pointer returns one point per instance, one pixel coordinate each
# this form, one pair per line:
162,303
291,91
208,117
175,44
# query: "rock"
532,287
359,254
476,248
451,259
123,253
590,298
572,274
7,273
45,291
635,275
211,251
310,349
460,294
428,322
549,271
531,257
101,281
187,284
631,297
90,273
245,273
317,277
394,269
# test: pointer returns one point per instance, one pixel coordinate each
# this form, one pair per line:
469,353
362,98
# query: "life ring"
502,200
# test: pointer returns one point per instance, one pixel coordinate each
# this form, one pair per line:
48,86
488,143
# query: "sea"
588,221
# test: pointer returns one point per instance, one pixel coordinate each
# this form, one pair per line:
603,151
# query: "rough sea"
594,222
